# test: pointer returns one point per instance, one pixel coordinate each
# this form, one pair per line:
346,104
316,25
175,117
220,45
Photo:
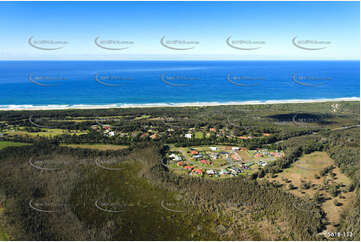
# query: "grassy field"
45,132
3,236
142,117
4,144
306,169
198,135
96,146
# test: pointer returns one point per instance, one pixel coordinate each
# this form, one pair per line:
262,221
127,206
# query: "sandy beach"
154,105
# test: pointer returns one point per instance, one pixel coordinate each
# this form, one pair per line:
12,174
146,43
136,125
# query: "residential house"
214,156
198,171
188,167
198,156
175,157
188,136
154,136
210,172
194,152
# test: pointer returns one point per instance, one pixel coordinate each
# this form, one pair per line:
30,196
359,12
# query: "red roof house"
198,171
188,167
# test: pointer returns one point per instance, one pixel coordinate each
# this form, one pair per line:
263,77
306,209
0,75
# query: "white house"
175,157
111,133
235,148
210,172
213,148
188,136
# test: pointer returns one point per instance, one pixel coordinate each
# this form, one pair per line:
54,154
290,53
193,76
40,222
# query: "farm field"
331,186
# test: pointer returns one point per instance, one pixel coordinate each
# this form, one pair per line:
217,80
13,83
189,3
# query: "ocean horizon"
104,84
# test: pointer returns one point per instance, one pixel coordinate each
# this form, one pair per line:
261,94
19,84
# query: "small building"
210,172
175,157
188,136
188,167
233,171
198,171
235,148
154,136
213,148
194,152
214,156
198,156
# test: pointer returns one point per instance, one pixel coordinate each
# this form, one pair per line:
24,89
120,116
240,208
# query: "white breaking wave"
149,105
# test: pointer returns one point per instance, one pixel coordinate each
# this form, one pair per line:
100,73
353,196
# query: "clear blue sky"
209,23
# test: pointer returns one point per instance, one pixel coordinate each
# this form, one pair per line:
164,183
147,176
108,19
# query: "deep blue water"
140,82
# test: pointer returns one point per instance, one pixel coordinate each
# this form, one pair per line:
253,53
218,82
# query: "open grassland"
4,144
3,235
44,132
97,146
307,170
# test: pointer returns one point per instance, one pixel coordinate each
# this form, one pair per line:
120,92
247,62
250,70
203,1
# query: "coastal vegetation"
113,174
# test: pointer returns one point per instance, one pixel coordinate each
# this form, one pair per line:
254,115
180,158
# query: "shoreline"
29,107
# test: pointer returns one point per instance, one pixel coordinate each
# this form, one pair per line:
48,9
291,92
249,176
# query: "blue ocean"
69,83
